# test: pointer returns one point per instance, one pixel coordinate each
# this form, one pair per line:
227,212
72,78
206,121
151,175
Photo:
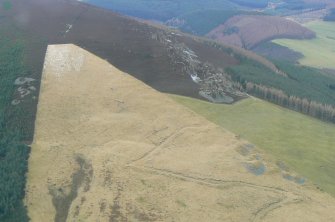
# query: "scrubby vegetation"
13,152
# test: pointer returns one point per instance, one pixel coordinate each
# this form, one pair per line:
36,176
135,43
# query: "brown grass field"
109,148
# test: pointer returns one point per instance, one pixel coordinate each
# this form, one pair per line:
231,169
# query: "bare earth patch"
109,148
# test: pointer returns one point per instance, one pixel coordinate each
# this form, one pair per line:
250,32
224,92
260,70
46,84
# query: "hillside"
164,10
114,154
160,10
199,17
277,52
305,144
201,22
164,59
318,52
249,31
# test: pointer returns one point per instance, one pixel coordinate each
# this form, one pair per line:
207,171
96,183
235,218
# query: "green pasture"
305,144
318,52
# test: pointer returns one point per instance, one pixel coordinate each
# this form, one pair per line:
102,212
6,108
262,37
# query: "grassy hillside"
318,52
305,144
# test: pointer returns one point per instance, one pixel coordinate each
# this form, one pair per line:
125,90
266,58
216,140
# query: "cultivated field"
318,52
109,148
305,144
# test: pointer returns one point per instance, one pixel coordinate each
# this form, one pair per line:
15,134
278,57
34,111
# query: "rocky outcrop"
215,85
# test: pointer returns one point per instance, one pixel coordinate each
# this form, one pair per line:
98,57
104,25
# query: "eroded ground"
109,148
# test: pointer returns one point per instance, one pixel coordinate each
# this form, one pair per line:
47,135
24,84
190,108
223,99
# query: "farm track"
259,214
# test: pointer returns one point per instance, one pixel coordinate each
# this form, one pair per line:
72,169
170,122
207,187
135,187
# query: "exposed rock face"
247,31
109,148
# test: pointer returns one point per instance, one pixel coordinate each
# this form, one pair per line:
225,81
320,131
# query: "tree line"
321,111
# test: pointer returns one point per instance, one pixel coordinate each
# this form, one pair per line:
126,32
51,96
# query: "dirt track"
109,148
